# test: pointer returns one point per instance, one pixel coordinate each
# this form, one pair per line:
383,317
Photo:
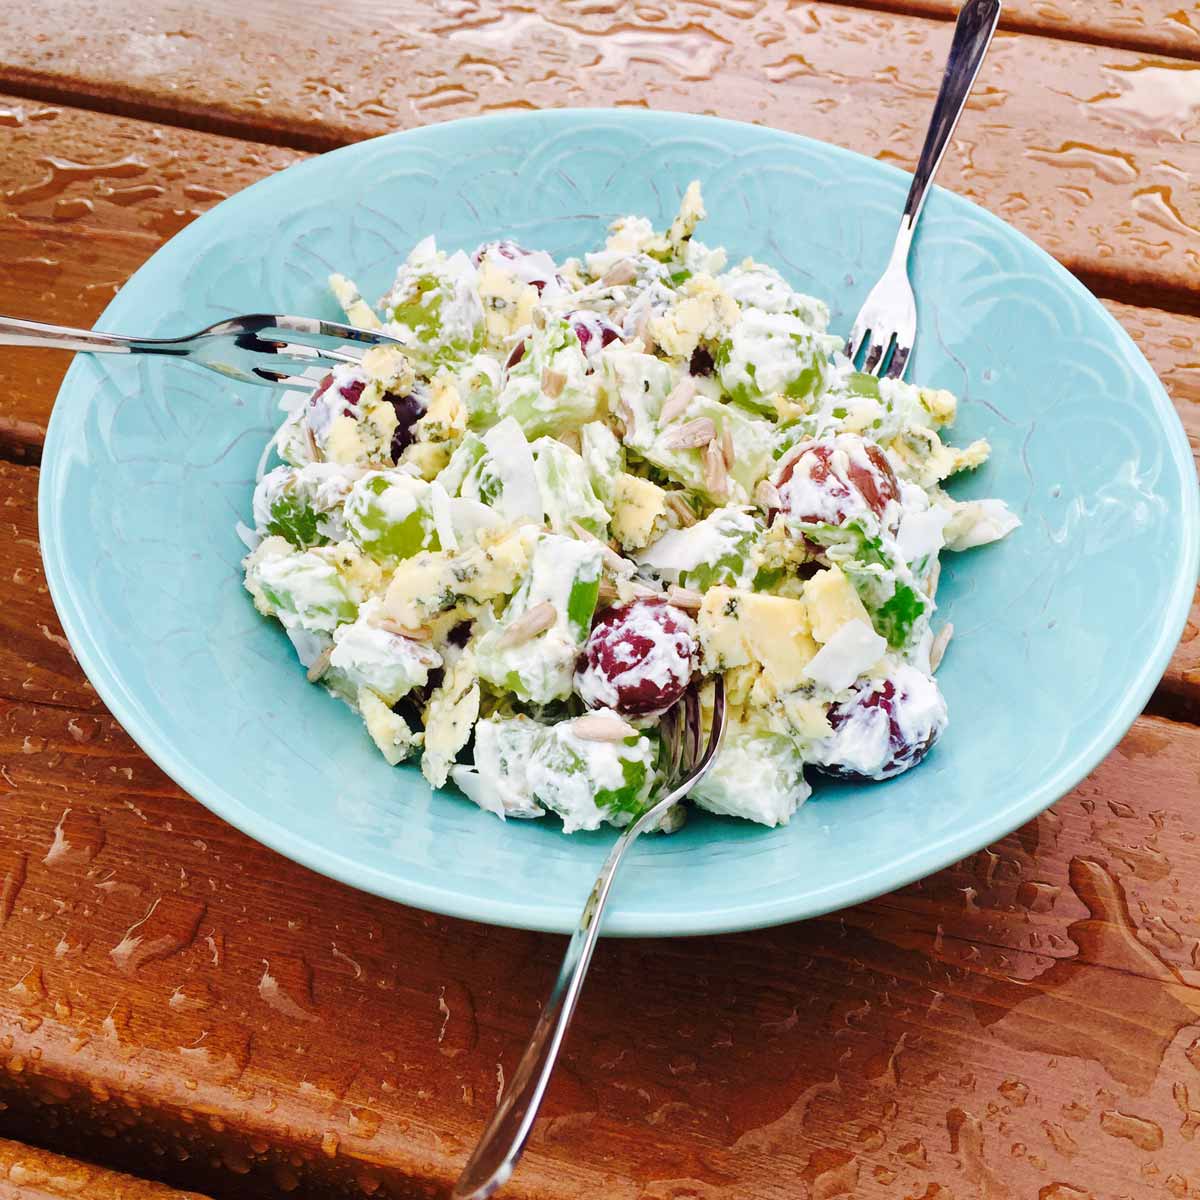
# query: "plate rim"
918,863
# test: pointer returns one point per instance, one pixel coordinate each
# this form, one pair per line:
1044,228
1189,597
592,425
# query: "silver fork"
263,348
887,322
689,759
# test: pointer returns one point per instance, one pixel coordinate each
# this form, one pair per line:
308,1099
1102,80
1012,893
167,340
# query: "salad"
513,539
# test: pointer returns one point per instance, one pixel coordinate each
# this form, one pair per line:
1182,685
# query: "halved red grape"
593,332
884,728
350,385
409,410
836,478
505,247
638,659
535,267
350,390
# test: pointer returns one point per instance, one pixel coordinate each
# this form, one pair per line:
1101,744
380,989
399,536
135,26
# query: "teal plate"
1062,631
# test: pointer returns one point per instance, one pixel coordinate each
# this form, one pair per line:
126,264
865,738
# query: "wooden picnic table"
182,1004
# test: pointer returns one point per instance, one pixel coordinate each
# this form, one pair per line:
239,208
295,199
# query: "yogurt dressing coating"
638,658
575,488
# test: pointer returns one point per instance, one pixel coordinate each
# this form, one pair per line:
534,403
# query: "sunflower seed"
612,557
391,625
727,452
553,383
628,419
699,432
938,648
716,477
642,330
599,727
313,448
620,272
607,592
677,503
537,620
767,495
935,574
684,598
676,404
320,664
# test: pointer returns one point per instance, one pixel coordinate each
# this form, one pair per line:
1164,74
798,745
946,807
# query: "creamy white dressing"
389,664
758,777
721,534
667,664
863,742
536,448
852,651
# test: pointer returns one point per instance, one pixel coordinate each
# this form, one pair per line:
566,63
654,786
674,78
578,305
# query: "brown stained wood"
182,1002
1027,1018
33,1174
1171,343
66,271
85,199
300,1032
1161,27
1096,160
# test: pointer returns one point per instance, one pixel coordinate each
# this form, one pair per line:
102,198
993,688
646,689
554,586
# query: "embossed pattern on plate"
1062,631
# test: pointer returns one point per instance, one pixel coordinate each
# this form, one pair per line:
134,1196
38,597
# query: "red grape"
593,332
409,410
351,383
837,478
638,659
350,390
884,728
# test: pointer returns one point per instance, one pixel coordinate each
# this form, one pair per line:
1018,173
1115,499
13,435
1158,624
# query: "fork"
887,322
262,348
689,759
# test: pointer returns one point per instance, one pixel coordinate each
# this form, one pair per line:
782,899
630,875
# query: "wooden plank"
85,199
50,268
1098,165
1159,27
67,270
1172,345
33,1174
161,975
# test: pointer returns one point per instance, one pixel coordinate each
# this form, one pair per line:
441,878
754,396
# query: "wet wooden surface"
180,1003
28,1173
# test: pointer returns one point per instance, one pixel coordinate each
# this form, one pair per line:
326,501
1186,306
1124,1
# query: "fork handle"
972,35
14,332
496,1154
492,1162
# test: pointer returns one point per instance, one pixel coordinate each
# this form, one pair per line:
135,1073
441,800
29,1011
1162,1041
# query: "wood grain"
182,1003
112,236
1095,164
1160,27
85,199
32,1174
1172,345
145,181
1028,1018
